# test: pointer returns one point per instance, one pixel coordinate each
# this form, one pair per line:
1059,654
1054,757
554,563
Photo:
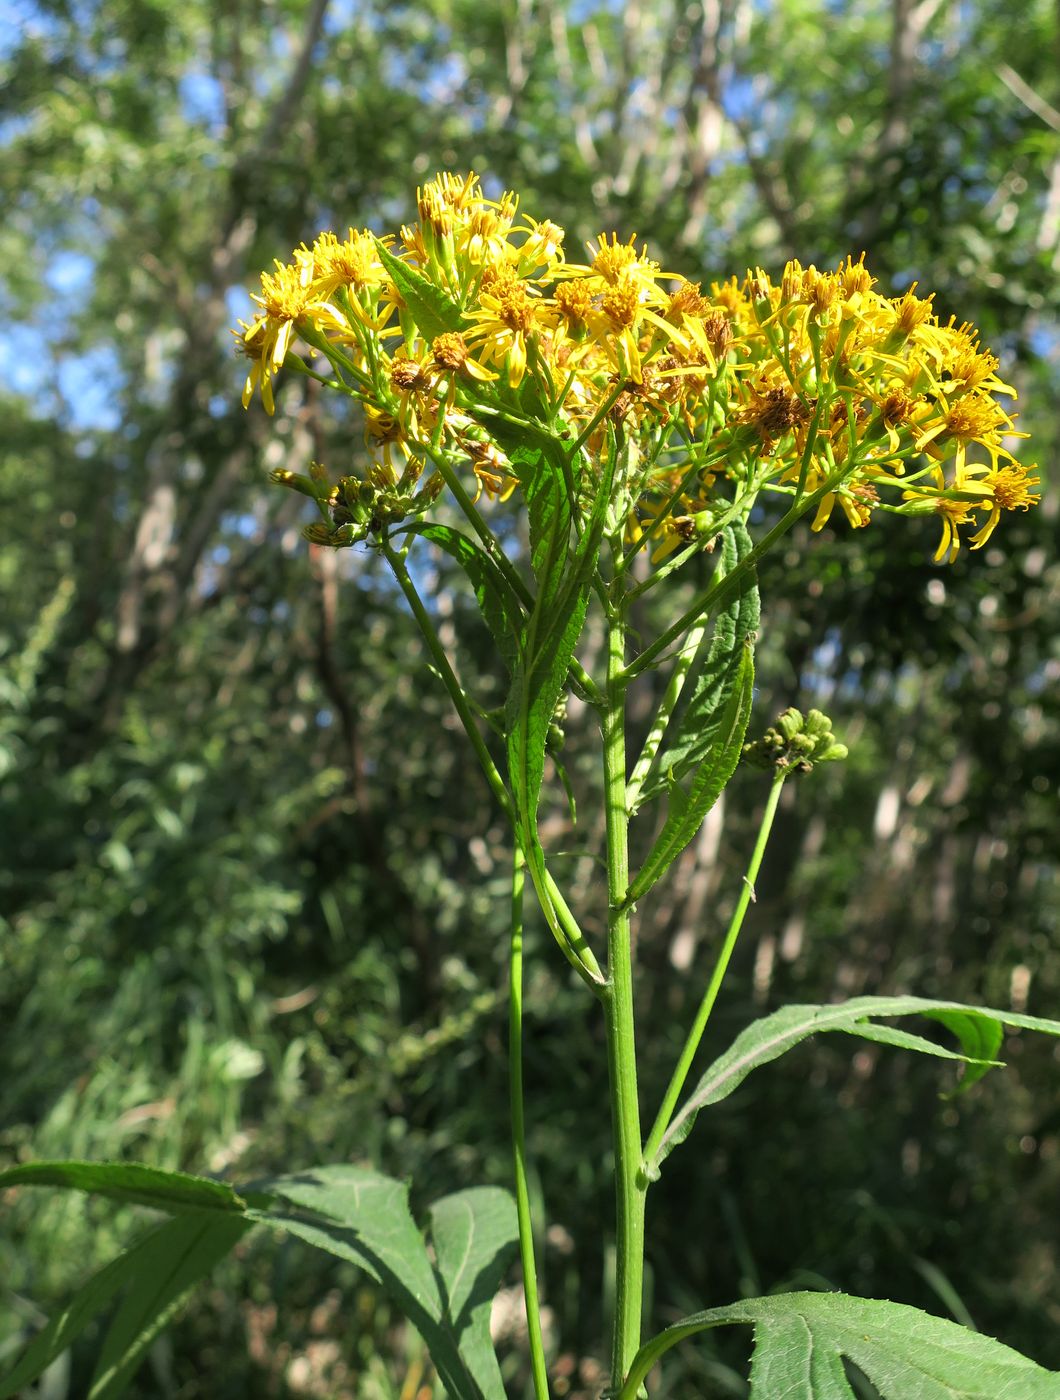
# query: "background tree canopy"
252,896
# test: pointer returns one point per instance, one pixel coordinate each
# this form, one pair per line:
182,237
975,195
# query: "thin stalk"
710,996
594,422
621,1034
560,920
711,460
674,686
396,560
515,1090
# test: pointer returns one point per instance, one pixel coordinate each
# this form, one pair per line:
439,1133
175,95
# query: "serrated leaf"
500,608
726,730
433,310
800,1340
551,632
712,687
131,1182
159,1272
364,1217
978,1029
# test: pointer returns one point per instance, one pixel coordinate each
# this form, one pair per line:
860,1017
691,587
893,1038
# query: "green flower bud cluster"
796,742
356,509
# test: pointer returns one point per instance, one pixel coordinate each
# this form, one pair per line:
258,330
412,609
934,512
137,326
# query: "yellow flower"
450,355
974,488
856,499
1010,488
287,296
952,513
974,417
503,321
353,262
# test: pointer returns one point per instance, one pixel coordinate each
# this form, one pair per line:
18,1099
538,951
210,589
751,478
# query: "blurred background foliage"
253,891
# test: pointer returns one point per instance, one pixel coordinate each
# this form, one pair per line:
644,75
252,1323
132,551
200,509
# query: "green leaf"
800,1340
500,608
129,1181
362,1216
720,673
564,580
724,736
159,1272
474,1233
434,312
978,1029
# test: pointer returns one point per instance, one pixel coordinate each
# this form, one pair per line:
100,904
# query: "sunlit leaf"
500,608
694,730
725,735
800,1340
433,311
978,1029
131,1182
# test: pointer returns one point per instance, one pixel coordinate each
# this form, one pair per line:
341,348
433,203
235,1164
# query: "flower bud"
796,743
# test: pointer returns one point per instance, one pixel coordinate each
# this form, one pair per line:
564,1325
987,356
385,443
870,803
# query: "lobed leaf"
364,1217
800,1340
978,1029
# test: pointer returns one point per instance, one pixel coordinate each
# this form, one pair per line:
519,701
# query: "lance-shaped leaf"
800,1340
131,1182
500,608
978,1029
724,738
711,689
157,1275
434,312
362,1216
564,579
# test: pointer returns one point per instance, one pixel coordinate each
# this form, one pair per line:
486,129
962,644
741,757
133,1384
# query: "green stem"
515,1089
597,418
621,1035
560,920
682,665
396,560
710,996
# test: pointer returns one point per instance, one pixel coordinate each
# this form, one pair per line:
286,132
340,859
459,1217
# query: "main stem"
621,1037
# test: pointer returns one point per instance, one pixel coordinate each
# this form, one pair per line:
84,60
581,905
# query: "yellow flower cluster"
470,330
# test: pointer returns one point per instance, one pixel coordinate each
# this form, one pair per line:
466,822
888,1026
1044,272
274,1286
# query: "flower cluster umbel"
471,329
